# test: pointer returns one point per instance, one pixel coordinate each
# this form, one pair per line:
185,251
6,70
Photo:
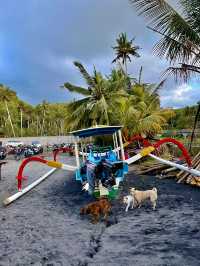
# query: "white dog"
141,196
128,200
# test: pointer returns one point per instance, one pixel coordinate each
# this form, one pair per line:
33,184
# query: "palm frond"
191,11
177,30
158,86
183,72
85,74
77,89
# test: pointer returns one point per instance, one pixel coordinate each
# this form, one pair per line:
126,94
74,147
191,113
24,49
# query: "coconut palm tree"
99,98
140,113
44,110
180,42
140,119
5,96
21,108
124,50
195,125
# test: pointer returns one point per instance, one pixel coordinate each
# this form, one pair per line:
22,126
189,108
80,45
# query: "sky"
40,39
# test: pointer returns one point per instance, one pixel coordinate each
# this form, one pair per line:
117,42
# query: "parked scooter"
28,152
2,154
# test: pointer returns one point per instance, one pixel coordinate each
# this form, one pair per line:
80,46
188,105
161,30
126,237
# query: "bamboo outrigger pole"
55,165
28,188
179,166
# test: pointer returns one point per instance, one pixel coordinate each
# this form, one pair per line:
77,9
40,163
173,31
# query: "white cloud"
182,95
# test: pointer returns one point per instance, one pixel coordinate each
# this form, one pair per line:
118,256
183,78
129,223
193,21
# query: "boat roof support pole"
76,153
83,157
121,145
114,144
116,141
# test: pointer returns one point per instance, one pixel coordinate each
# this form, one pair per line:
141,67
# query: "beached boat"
101,169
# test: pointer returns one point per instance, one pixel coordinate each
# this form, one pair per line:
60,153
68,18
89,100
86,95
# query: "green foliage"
124,50
118,100
183,119
180,33
103,94
42,119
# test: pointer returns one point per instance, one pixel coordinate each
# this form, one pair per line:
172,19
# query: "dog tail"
155,189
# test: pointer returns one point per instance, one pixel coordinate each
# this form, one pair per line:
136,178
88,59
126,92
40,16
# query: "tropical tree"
5,96
100,97
21,108
140,113
124,50
195,125
180,42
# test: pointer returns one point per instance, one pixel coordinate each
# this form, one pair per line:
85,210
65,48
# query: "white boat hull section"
134,158
179,166
68,167
28,188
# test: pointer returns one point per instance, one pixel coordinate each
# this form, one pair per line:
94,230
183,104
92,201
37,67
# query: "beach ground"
44,227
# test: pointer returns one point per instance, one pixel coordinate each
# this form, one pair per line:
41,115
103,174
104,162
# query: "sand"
44,226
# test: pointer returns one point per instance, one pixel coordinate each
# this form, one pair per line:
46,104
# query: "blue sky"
40,39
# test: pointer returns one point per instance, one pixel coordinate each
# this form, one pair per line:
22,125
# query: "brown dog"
95,209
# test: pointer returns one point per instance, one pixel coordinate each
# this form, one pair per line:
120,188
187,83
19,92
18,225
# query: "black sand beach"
44,226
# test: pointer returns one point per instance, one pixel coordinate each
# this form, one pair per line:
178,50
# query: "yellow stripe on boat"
146,151
54,164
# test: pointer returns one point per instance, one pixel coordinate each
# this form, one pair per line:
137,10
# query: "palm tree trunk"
9,117
21,120
125,64
194,127
37,126
43,123
140,75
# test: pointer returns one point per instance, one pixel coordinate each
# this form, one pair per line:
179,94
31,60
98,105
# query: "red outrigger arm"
156,145
180,146
55,153
20,176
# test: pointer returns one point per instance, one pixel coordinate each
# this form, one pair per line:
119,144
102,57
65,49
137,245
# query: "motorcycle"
28,152
2,154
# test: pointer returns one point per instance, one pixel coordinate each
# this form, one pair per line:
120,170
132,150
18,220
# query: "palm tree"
21,109
124,50
44,108
180,42
141,113
5,96
99,98
194,126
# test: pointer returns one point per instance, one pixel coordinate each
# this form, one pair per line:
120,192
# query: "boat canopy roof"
96,131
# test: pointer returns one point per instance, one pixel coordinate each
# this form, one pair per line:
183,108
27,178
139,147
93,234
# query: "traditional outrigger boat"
101,169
